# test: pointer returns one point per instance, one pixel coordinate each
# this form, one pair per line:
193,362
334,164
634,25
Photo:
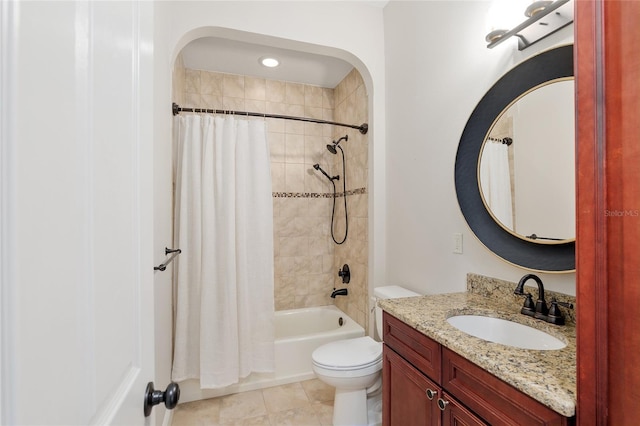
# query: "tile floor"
304,403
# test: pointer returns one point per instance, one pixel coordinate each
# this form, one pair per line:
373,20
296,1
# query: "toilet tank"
388,292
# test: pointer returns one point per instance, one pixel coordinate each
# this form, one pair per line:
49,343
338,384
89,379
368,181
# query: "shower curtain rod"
177,109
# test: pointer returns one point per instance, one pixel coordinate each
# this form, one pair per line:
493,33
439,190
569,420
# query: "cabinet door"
405,400
455,414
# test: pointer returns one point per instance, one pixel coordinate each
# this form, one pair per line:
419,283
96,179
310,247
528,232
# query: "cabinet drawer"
415,347
495,401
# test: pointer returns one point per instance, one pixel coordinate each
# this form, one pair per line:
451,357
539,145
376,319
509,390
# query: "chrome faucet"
339,292
540,309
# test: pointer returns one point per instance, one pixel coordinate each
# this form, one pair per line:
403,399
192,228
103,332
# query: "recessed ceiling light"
269,62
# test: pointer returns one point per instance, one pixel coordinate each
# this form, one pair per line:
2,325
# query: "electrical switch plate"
457,243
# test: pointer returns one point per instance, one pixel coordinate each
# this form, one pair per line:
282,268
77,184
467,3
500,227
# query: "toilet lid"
347,354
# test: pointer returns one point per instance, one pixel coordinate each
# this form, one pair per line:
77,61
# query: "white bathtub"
298,333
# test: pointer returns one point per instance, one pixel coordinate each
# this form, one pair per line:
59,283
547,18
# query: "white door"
76,205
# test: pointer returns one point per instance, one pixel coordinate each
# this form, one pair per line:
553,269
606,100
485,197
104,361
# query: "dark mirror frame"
547,66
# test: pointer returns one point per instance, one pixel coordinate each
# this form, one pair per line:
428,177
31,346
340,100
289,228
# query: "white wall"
438,68
352,31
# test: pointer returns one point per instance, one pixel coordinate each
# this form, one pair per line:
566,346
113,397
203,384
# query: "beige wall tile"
211,101
275,125
192,81
313,112
233,104
233,86
211,83
294,177
327,98
253,105
292,126
294,150
294,246
312,96
192,100
294,93
284,301
275,91
277,177
314,129
255,88
276,147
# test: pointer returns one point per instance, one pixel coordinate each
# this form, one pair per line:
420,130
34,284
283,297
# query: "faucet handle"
565,304
555,315
529,307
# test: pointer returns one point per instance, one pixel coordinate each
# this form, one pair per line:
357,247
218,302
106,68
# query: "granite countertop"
547,376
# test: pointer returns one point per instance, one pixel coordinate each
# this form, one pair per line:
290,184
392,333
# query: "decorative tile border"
358,191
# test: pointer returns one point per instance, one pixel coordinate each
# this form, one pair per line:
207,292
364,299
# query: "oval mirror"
509,244
527,165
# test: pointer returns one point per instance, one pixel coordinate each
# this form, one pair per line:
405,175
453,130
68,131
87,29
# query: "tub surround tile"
233,103
275,91
255,88
233,86
547,376
300,194
192,81
294,93
252,105
327,98
211,83
315,129
312,96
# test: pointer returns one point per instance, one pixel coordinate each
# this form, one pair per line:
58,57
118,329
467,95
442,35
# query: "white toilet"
354,368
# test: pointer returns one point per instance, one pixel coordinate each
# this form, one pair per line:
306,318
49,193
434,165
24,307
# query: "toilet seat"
362,353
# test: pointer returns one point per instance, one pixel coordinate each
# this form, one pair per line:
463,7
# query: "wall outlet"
457,243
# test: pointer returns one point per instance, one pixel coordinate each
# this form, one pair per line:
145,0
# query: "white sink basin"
506,332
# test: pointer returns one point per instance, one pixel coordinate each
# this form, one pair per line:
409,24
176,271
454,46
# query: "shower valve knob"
345,274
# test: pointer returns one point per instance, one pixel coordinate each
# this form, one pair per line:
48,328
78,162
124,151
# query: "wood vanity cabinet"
427,384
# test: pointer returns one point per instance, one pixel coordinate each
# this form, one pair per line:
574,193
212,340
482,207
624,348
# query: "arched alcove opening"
306,258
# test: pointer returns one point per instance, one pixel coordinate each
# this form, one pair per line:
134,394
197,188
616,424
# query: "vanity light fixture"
548,17
269,61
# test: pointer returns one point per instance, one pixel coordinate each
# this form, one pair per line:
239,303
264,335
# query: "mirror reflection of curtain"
495,179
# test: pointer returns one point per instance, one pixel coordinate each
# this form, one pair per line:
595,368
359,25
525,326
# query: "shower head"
332,148
317,167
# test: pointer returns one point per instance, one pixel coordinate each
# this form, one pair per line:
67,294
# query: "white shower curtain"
495,179
224,310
